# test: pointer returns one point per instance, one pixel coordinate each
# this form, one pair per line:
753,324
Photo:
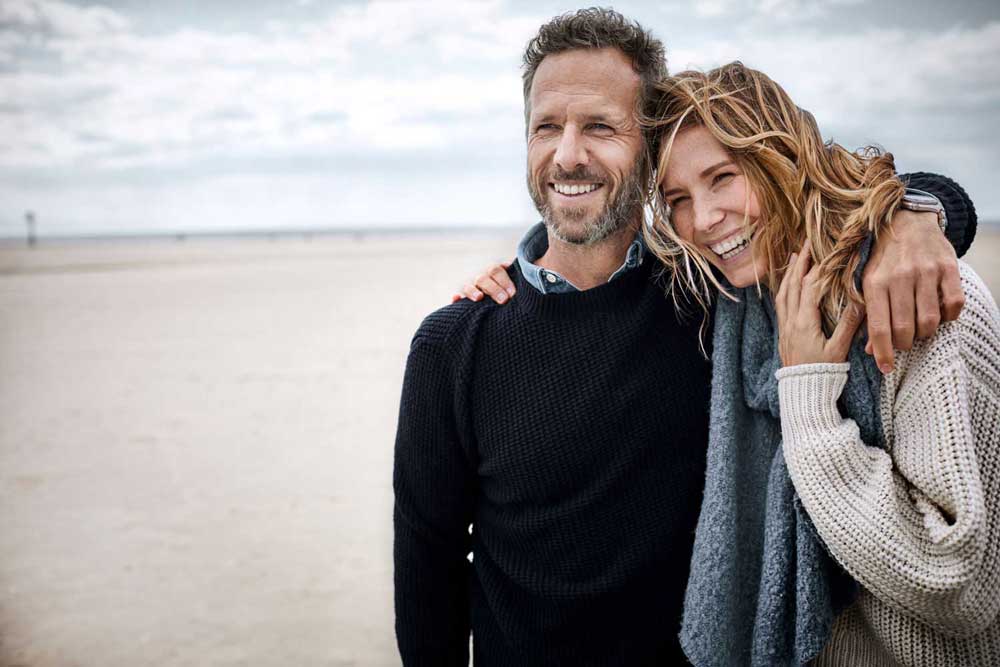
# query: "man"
561,439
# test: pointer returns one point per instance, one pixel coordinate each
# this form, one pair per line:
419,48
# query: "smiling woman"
897,476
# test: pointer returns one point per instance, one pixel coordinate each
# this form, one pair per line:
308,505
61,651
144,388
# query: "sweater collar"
619,295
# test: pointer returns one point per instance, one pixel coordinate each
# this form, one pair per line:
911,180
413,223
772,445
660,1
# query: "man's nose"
571,151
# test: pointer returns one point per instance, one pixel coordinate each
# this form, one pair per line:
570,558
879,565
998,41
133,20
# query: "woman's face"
708,198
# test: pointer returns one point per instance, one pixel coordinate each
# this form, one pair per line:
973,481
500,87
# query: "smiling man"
561,439
541,424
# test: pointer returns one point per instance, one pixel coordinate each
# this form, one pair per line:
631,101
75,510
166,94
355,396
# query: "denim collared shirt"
536,242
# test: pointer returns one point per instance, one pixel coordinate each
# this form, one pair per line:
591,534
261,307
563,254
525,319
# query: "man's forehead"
555,105
600,75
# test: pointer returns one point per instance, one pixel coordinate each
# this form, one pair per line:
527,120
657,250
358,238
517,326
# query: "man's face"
584,144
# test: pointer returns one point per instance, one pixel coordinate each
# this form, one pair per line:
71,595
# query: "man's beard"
617,213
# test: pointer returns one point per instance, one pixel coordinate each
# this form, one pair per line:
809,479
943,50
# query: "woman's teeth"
732,246
564,189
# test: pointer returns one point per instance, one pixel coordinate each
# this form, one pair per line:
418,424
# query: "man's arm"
911,282
434,495
961,212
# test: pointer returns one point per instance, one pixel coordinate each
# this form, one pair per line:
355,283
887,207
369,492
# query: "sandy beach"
196,443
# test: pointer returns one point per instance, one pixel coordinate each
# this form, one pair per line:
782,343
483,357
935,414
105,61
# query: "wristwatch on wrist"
917,200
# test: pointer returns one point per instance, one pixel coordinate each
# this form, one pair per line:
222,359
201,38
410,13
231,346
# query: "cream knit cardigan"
917,524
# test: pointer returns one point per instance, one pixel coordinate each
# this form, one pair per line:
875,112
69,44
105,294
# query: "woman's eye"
723,177
674,203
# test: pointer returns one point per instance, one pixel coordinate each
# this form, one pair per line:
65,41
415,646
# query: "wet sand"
196,444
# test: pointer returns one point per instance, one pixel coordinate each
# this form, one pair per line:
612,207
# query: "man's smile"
575,189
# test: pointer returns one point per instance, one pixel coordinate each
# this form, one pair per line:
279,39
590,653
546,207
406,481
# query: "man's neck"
588,266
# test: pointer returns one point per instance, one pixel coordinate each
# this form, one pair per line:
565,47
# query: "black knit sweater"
570,431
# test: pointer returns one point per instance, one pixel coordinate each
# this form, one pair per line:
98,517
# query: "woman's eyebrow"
708,170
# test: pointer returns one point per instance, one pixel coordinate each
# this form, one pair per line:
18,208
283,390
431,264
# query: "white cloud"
878,70
771,10
60,19
713,8
157,99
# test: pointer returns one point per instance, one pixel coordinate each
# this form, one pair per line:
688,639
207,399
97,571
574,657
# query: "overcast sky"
136,116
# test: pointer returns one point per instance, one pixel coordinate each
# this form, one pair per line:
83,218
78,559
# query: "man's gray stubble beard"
616,214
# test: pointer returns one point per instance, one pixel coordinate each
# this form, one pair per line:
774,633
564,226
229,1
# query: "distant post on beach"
29,221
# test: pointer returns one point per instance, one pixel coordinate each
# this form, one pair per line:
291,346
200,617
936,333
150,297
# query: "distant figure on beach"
29,221
562,440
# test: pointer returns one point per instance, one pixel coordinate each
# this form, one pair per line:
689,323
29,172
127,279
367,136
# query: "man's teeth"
564,189
733,245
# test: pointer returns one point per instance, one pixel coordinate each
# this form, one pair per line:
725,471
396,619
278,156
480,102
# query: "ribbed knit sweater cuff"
808,395
962,219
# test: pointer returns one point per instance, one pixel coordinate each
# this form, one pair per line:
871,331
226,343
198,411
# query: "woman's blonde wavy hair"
808,192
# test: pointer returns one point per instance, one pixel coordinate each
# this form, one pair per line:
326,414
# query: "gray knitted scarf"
763,591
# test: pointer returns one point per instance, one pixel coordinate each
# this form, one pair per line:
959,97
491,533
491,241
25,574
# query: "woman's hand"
494,281
800,331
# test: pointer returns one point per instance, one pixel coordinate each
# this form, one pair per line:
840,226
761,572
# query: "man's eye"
601,127
545,127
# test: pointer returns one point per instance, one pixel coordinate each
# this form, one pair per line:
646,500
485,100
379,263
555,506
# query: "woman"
903,492
817,465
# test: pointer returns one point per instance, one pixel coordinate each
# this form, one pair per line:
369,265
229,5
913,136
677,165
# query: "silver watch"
918,200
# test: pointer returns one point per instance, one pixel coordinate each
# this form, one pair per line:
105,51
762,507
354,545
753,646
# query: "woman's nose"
707,214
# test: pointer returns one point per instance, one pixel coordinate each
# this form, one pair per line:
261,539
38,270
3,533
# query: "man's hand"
911,283
494,281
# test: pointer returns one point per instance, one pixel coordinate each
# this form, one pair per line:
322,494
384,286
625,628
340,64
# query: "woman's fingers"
840,342
469,292
809,296
806,257
491,287
494,281
781,298
498,272
798,272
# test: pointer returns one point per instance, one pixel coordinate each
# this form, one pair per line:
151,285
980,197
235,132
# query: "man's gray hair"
597,28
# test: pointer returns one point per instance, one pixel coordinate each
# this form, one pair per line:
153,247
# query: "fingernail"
477,295
510,290
885,368
501,297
